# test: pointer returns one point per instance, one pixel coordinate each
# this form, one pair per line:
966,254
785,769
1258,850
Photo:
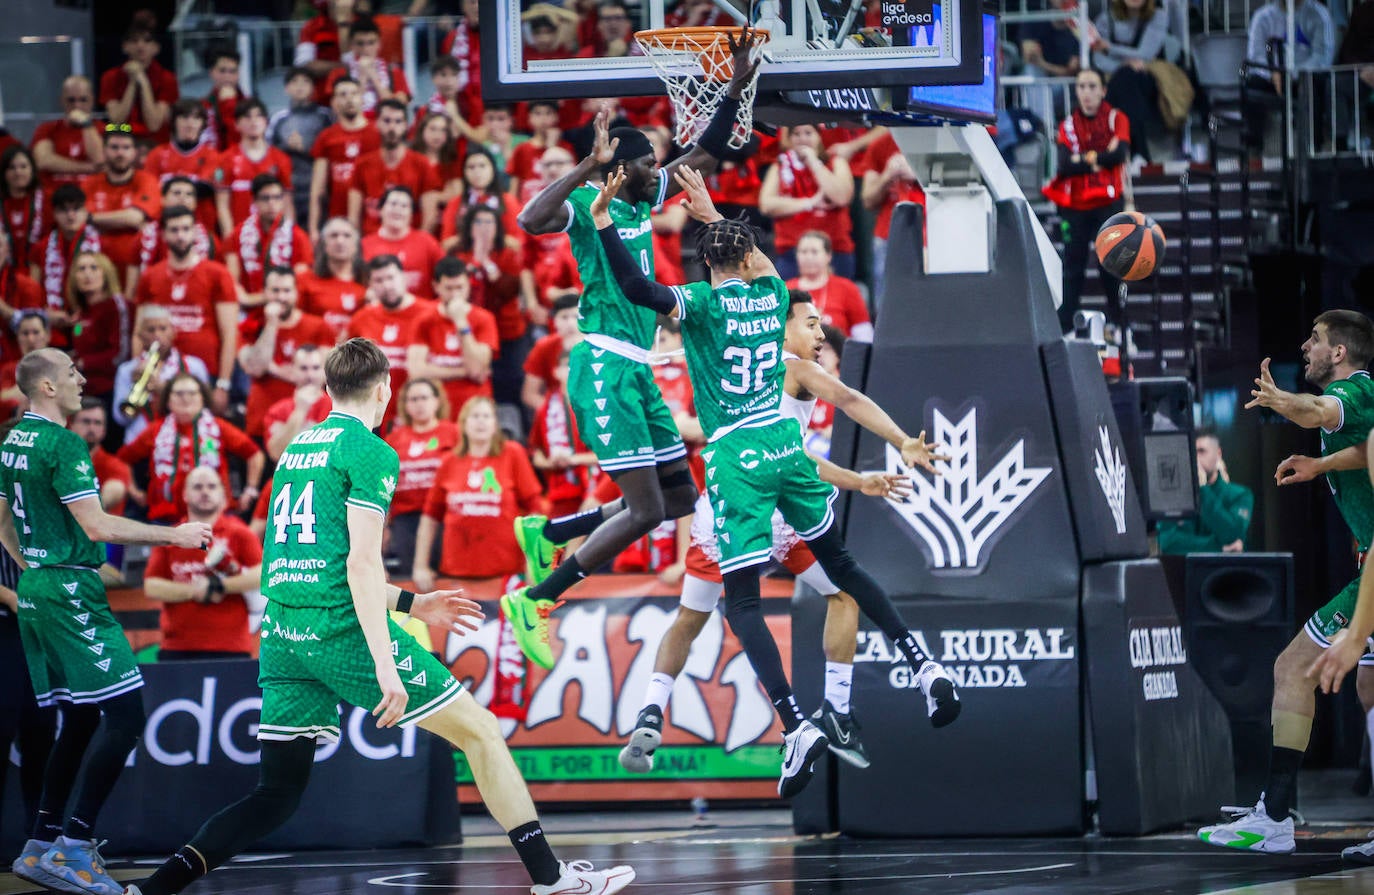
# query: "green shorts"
313,658
620,410
75,649
1334,617
751,472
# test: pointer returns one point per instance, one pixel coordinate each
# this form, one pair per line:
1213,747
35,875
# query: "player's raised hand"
883,484
1297,469
394,698
447,609
915,452
191,535
1265,393
698,198
1335,663
601,205
603,147
742,67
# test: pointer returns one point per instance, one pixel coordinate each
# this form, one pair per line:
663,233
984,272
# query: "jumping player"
1336,354
805,383
732,329
619,409
51,522
326,637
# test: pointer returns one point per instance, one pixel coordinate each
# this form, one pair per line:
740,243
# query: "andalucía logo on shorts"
957,514
1111,475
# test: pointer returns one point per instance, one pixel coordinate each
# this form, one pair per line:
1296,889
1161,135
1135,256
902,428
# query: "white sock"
837,678
1369,725
659,691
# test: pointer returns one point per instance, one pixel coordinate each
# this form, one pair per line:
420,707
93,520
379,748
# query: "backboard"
814,44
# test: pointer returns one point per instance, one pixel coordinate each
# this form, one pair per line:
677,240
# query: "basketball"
1129,245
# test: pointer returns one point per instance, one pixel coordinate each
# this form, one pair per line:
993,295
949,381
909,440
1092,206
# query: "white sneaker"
578,878
1359,854
1252,830
800,750
942,700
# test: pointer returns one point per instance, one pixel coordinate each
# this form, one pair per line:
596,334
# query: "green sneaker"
538,550
529,619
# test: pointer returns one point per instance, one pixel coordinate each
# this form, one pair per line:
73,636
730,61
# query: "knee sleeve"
742,593
124,716
832,556
679,493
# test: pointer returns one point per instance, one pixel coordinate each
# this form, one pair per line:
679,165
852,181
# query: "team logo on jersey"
1111,475
178,292
351,150
390,332
958,514
350,301
451,342
416,448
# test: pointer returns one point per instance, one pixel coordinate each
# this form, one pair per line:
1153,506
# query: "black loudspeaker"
1239,618
1156,421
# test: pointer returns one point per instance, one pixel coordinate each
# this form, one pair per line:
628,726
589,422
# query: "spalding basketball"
1129,245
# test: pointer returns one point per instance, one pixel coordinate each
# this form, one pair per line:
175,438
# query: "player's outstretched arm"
1300,468
446,609
874,484
101,526
865,411
368,587
638,289
1308,411
714,143
546,212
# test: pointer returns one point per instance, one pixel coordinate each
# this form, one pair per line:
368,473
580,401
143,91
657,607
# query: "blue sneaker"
28,866
78,864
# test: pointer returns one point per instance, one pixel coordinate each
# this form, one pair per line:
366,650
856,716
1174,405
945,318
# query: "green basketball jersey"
44,467
1351,487
603,308
733,339
326,469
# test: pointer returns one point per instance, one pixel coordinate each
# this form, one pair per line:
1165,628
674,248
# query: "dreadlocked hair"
726,243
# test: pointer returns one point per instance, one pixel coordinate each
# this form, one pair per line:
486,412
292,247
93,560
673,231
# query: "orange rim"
709,41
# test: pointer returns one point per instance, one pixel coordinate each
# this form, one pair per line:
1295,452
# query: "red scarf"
57,261
795,178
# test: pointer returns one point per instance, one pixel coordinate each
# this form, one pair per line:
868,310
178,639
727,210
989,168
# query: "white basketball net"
695,65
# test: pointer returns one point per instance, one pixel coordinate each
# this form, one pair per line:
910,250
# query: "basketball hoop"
695,65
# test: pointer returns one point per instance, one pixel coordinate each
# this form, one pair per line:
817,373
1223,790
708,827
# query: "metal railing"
1332,113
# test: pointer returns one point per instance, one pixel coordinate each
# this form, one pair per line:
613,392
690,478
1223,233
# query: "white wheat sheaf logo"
957,513
1111,475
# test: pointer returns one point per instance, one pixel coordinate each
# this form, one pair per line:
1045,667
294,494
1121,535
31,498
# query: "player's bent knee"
124,715
690,621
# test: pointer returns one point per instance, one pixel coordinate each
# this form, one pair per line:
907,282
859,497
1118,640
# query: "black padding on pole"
1011,765
1161,741
1011,304
995,525
1102,493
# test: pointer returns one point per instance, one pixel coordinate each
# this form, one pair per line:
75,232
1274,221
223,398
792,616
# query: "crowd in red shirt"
146,226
